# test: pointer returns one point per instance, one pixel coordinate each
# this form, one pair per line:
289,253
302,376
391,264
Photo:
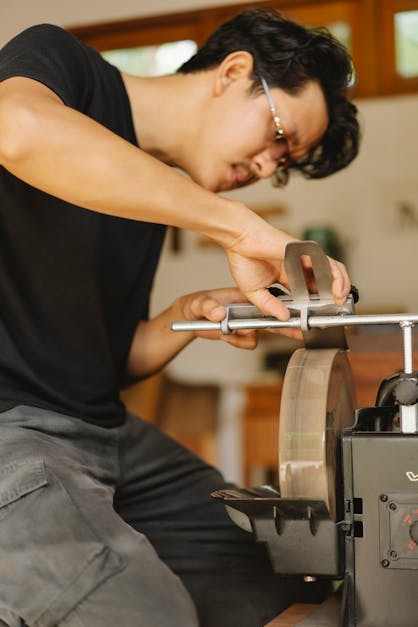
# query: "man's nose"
264,164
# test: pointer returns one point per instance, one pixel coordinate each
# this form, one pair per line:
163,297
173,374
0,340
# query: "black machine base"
373,548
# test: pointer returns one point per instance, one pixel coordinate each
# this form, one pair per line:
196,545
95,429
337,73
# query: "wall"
373,204
15,15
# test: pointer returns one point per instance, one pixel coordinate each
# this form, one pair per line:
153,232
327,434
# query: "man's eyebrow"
292,142
294,138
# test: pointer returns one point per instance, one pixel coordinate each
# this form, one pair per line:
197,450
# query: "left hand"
209,305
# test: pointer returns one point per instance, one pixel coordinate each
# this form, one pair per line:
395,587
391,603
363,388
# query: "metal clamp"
301,303
321,303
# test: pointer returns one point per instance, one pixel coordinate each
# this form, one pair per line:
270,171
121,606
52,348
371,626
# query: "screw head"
393,506
383,498
385,563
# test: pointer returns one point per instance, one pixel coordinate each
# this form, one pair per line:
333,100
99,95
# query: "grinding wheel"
317,402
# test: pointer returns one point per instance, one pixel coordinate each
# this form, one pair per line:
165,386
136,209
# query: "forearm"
68,155
155,345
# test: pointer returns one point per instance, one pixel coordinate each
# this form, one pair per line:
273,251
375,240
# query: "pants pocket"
50,558
17,480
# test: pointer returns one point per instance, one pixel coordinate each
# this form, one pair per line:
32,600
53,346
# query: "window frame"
371,21
391,82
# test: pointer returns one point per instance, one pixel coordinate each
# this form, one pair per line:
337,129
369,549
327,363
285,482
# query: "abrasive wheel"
317,402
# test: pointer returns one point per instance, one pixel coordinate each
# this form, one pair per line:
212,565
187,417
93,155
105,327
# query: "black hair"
288,56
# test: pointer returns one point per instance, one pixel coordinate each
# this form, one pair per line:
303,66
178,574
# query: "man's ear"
236,66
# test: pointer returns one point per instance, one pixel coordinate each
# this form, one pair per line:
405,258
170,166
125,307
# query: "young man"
104,520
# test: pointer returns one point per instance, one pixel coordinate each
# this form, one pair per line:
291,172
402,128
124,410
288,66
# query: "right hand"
256,262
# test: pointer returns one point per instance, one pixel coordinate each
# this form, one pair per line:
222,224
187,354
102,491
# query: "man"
104,520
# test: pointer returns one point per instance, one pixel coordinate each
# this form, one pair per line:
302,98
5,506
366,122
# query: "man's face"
237,137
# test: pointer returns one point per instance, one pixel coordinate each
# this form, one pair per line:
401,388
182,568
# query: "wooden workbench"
292,615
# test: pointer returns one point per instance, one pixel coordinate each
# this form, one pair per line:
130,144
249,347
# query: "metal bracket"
321,303
300,302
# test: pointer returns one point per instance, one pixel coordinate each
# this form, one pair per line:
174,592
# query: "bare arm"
154,344
64,153
67,154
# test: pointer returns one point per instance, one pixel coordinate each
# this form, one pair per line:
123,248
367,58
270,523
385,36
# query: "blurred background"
221,402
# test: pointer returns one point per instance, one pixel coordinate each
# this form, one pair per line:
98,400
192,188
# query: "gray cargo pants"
116,528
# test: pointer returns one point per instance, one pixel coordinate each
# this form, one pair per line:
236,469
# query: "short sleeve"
52,56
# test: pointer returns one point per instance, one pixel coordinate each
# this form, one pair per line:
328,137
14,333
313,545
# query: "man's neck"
165,113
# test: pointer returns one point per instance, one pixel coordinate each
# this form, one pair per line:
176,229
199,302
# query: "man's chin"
216,186
210,186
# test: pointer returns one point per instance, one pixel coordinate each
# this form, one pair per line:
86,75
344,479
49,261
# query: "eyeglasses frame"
281,175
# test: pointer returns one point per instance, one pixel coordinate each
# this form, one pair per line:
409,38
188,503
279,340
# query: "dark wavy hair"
288,56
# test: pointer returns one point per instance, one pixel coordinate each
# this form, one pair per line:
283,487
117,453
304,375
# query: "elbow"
18,123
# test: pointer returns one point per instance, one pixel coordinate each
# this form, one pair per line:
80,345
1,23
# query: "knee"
8,619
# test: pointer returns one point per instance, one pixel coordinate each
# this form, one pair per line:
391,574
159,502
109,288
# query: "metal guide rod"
320,320
405,320
406,327
408,414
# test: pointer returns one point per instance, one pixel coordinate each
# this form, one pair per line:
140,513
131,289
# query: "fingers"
246,339
268,304
341,284
294,334
205,307
210,304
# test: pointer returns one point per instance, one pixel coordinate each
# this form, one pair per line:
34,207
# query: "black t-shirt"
73,283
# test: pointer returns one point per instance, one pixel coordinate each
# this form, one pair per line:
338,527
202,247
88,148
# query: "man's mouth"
241,175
